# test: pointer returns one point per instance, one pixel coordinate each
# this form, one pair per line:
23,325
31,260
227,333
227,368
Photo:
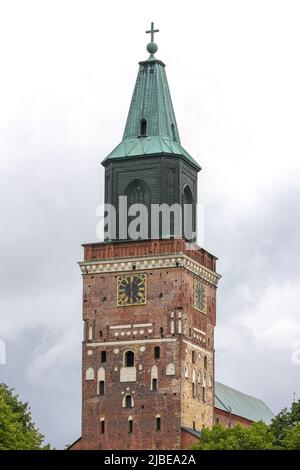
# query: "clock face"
199,296
132,289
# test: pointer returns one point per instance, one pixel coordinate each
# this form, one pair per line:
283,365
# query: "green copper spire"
151,126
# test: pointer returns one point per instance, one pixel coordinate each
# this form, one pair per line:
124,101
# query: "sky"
68,70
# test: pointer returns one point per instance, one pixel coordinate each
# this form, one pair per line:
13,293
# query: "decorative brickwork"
147,369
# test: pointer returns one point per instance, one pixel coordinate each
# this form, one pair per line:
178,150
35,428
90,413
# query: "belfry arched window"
188,212
187,195
139,208
138,192
143,128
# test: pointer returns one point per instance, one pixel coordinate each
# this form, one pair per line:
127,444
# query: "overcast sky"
67,74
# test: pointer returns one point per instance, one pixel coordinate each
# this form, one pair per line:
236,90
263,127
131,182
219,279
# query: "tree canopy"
283,433
17,431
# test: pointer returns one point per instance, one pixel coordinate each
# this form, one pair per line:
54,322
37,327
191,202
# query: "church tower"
149,303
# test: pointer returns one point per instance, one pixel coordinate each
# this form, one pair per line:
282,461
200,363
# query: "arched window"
89,374
188,220
173,132
128,401
101,381
156,352
129,359
193,357
143,128
170,370
154,378
205,362
138,192
102,426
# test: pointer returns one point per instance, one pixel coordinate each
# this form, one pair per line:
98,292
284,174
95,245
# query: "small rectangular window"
154,385
102,427
101,387
130,426
103,356
158,424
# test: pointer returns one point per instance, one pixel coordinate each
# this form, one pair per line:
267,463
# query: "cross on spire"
152,31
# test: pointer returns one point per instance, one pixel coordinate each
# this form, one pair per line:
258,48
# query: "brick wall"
169,321
229,419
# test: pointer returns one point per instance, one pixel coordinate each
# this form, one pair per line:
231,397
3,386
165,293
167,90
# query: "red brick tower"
149,305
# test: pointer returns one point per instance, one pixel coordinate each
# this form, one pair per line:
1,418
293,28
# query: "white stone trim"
195,346
117,327
141,325
143,263
133,341
199,331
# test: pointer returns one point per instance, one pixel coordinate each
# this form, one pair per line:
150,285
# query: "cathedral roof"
151,126
232,401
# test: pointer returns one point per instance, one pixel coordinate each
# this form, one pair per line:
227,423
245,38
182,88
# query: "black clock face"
132,289
200,296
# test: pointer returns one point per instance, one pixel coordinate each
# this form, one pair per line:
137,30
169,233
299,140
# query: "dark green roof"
155,145
238,403
192,431
151,102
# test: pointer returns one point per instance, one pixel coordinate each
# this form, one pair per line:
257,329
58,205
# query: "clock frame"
200,296
131,290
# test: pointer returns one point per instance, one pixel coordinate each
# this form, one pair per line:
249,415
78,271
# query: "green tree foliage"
283,433
285,420
17,431
291,438
255,437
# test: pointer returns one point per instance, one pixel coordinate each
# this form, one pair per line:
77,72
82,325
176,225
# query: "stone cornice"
143,263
